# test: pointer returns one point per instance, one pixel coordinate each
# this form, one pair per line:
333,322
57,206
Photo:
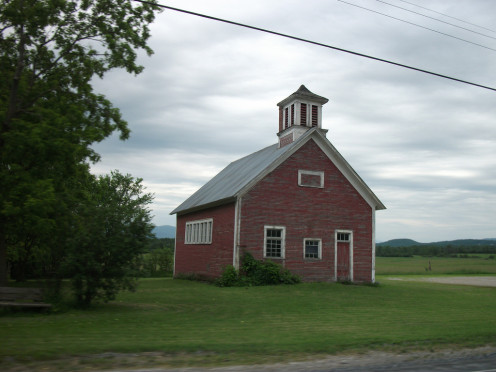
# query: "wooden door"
343,261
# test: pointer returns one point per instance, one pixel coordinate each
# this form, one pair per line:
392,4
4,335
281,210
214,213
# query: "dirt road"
480,281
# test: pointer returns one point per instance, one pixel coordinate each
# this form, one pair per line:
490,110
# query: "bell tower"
298,113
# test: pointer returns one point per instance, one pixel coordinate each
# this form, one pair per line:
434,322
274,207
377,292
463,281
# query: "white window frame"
199,231
319,250
283,241
311,173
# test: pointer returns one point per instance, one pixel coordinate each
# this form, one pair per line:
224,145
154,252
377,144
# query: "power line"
446,15
417,25
314,43
436,19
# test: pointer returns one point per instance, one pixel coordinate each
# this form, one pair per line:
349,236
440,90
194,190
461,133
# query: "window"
310,178
274,241
312,248
286,117
343,237
199,232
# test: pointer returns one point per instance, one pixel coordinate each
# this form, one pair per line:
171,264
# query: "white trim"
319,249
237,224
198,231
175,250
311,173
373,245
336,232
283,241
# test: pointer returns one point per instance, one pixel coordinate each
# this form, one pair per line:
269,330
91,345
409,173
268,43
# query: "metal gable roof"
243,173
233,178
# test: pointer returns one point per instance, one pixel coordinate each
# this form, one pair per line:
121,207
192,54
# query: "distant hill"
458,242
164,231
399,243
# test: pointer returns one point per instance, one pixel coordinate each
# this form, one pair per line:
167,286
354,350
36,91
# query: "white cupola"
298,113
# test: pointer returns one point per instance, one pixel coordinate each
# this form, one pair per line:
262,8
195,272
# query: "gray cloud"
425,145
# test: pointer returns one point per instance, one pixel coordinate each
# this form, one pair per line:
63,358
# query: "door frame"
336,232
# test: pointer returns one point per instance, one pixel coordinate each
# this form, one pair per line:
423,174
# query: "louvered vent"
303,114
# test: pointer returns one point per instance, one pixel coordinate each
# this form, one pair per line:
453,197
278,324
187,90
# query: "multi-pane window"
286,110
199,232
274,241
343,237
312,248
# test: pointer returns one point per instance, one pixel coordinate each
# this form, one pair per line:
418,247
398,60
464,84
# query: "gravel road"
480,281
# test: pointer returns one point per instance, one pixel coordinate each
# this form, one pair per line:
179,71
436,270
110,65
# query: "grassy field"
197,323
439,265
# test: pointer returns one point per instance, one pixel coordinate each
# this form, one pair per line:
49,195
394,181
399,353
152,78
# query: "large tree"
50,115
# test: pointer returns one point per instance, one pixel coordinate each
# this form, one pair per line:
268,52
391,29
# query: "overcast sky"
425,145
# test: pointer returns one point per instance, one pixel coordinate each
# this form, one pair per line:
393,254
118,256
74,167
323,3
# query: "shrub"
229,277
256,273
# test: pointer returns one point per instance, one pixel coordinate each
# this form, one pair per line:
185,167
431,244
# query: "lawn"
236,325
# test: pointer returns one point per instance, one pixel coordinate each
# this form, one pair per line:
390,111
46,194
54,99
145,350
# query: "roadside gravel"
480,281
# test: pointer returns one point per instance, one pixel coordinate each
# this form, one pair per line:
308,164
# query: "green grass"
254,324
439,265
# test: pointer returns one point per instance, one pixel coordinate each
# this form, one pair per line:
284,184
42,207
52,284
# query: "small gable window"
312,248
199,232
310,179
274,241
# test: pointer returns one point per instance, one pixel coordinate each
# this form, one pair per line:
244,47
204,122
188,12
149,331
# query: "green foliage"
158,263
161,243
256,273
158,258
114,229
230,277
50,116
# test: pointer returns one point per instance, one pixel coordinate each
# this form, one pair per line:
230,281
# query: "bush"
229,277
256,273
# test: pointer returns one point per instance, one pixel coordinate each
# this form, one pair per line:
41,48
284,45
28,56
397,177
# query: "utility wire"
446,15
417,25
314,43
436,19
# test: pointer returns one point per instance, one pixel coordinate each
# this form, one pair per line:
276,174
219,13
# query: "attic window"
310,179
198,232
